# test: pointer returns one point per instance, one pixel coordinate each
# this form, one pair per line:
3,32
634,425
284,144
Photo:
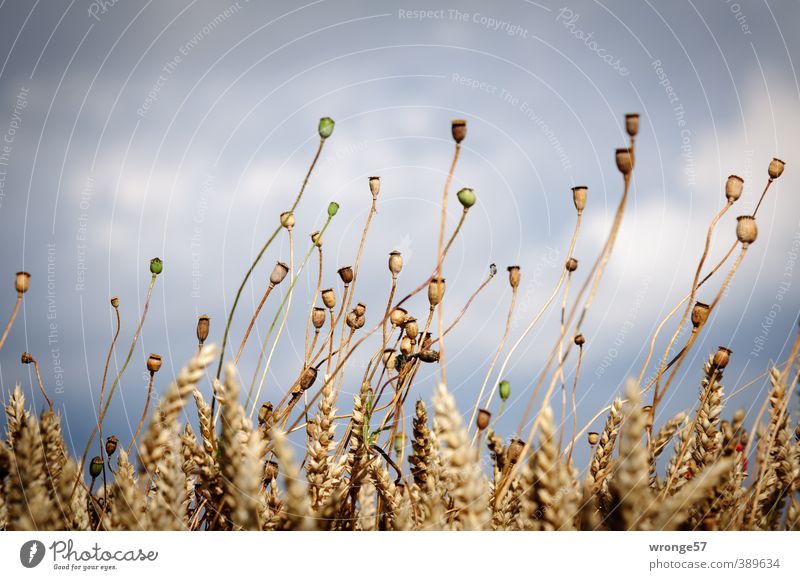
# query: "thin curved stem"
144,413
311,310
11,320
574,407
267,292
100,402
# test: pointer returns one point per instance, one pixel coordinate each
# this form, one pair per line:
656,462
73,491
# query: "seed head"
722,357
427,340
203,323
265,413
459,130
153,363
515,450
429,356
505,390
333,207
388,358
318,317
624,159
514,276
571,265
579,193
700,313
115,302
395,262
632,124
374,185
579,340
360,309
111,445
307,378
435,291
733,188
156,266
278,273
325,127
593,437
22,282
27,358
746,229
411,327
776,167
398,316
96,466
287,220
467,197
329,298
355,321
406,346
316,239
483,418
346,274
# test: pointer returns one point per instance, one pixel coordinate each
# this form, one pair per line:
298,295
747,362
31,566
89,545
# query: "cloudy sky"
182,129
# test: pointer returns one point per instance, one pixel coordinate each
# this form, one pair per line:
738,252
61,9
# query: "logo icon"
31,553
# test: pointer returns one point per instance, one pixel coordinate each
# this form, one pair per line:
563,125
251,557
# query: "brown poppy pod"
436,291
733,188
483,419
153,363
624,158
203,323
746,230
775,169
329,298
318,317
514,276
278,273
395,262
579,194
722,357
632,124
700,313
22,282
346,274
459,130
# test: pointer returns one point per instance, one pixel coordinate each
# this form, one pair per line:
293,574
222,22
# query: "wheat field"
232,462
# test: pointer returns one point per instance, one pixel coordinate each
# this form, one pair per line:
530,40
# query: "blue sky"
181,130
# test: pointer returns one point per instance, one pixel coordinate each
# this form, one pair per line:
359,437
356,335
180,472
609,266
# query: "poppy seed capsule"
624,158
579,340
387,355
483,418
398,316
316,239
27,358
427,340
156,266
459,130
374,185
22,282
514,276
435,291
307,378
406,346
325,127
722,357
411,327
700,313
360,309
593,437
429,356
514,451
733,188
355,321
395,262
632,124
333,207
505,390
579,194
346,274
746,230
203,323
265,414
571,265
287,219
466,197
278,273
329,298
776,168
111,445
153,363
318,317
96,467
115,302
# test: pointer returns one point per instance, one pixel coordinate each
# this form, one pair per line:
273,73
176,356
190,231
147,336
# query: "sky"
183,129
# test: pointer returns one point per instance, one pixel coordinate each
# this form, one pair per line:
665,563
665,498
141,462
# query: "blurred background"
182,129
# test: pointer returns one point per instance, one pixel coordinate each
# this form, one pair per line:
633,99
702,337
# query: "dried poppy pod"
388,357
429,356
22,282
355,321
96,466
505,390
111,445
435,291
278,273
411,327
360,309
514,451
700,313
593,437
203,323
27,358
579,193
466,197
153,363
483,418
316,239
459,130
624,158
266,414
571,264
374,185
746,230
287,220
632,124
395,262
579,340
733,188
329,298
307,378
722,357
775,169
398,316
514,276
318,317
406,346
270,472
115,301
427,340
346,274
